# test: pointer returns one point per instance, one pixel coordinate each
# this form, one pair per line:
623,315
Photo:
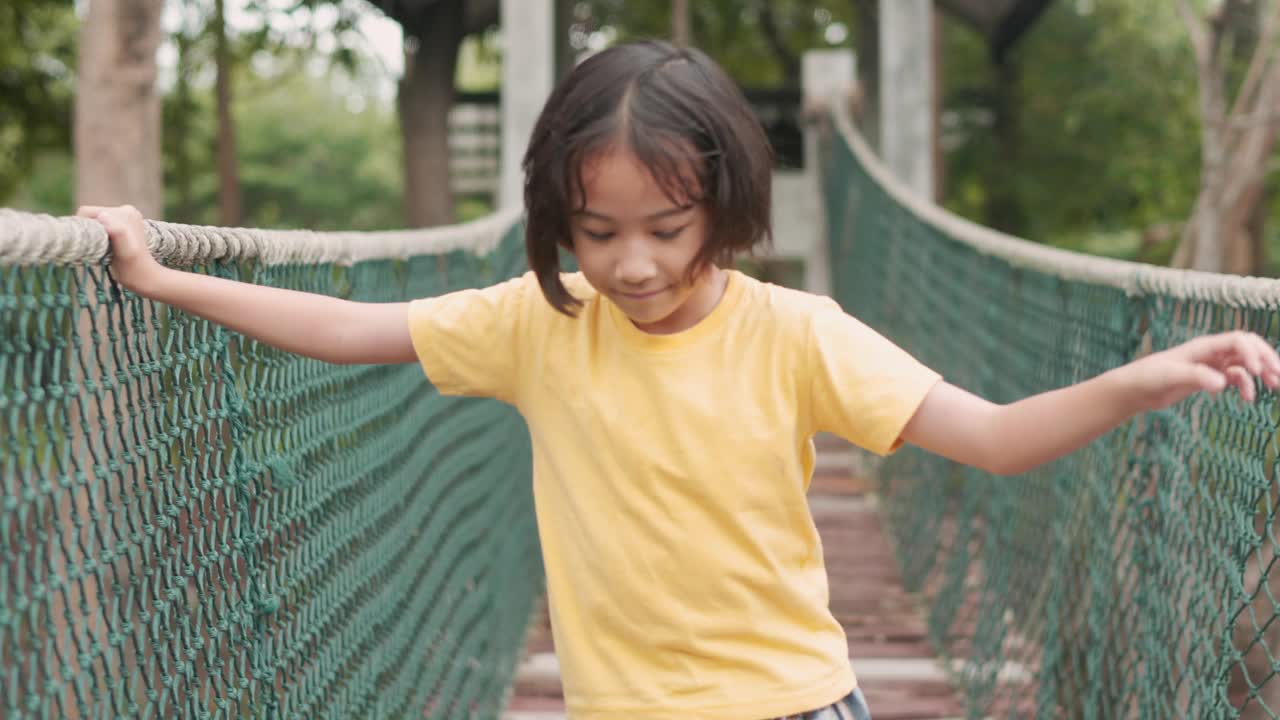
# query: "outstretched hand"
1210,363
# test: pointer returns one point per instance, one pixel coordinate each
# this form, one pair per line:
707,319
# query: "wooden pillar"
528,70
907,92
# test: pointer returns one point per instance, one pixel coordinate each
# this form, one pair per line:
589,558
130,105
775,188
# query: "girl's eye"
598,236
669,234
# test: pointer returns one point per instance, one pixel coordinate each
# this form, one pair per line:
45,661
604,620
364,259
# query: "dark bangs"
682,117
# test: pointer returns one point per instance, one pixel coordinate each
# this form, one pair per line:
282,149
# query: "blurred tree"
1238,133
289,36
177,113
37,57
1108,130
314,158
228,172
680,22
1001,25
433,31
1107,135
564,49
311,155
866,43
759,42
117,109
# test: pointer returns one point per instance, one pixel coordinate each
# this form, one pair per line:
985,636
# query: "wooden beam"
1016,22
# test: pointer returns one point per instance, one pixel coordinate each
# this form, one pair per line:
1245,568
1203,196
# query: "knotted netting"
1136,578
194,524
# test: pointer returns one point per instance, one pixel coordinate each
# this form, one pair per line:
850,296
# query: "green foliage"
318,152
1107,125
1108,128
1107,133
37,70
480,63
731,31
309,158
49,186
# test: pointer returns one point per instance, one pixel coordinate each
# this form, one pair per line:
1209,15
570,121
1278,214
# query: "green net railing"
1137,578
196,525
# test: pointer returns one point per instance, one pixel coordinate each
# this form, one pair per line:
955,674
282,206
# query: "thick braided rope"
1133,278
27,239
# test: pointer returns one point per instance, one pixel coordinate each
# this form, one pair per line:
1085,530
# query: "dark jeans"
852,707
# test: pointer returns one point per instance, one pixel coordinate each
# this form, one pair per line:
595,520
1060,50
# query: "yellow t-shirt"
684,573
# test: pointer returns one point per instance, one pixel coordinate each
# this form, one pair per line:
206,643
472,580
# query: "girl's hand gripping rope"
317,326
131,262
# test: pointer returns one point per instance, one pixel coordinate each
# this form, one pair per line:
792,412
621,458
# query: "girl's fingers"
1270,359
99,212
1247,352
1242,349
1235,359
1243,381
1209,379
115,220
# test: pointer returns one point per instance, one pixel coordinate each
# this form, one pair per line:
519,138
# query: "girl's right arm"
316,326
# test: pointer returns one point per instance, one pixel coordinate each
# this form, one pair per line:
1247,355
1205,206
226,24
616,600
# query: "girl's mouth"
643,295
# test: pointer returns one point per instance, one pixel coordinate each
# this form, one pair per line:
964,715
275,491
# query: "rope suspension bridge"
193,524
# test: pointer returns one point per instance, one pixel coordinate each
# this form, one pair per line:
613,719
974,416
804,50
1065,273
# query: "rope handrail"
28,239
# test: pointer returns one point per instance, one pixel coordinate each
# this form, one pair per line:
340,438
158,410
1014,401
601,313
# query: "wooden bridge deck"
887,644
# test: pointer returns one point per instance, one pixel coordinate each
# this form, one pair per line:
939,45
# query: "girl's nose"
635,267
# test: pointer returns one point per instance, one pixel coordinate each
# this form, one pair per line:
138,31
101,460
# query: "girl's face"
634,245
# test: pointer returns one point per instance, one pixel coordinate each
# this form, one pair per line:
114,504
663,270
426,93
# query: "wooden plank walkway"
887,641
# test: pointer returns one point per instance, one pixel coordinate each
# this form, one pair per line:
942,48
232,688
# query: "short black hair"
685,120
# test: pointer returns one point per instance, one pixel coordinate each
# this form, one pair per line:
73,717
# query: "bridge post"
825,75
528,69
906,92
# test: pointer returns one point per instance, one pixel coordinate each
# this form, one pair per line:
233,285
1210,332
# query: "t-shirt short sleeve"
864,388
468,341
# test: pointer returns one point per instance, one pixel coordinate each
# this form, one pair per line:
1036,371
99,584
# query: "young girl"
672,402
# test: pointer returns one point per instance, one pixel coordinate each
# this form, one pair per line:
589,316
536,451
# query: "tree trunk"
680,22
1003,208
1226,231
179,127
775,38
867,46
228,170
1258,235
426,95
1001,24
117,112
563,47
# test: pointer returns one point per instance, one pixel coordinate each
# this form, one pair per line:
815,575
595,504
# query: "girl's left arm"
1014,438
